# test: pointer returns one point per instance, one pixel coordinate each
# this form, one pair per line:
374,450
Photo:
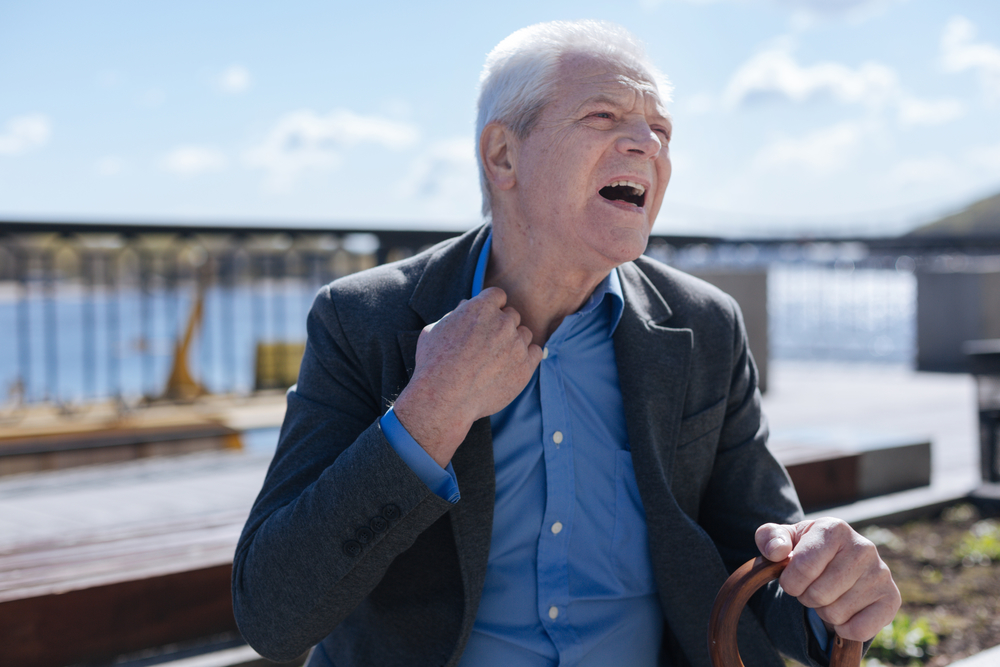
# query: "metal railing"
96,311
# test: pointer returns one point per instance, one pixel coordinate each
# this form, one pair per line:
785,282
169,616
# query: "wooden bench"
832,467
91,597
45,440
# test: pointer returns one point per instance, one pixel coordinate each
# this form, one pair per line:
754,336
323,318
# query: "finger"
864,625
847,582
842,593
774,541
534,354
527,367
526,337
511,312
494,296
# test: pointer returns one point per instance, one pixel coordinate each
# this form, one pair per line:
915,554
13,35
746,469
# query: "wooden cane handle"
730,601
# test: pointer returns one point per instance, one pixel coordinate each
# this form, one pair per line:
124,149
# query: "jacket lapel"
446,280
654,365
653,369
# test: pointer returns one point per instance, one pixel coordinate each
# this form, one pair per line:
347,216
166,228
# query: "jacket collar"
447,278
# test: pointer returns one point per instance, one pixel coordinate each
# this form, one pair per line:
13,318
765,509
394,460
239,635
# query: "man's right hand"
470,364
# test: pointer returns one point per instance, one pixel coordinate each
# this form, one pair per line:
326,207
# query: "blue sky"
790,116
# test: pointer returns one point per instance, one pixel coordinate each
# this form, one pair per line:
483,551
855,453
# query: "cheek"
664,168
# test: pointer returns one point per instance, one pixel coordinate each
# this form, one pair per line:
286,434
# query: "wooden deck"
96,561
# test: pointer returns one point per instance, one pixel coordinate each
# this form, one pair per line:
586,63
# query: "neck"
540,284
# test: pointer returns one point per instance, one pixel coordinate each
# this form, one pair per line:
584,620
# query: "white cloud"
807,12
303,140
25,133
824,150
804,10
913,111
959,52
775,72
235,79
194,160
446,168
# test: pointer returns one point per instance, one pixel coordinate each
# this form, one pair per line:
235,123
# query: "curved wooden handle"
730,601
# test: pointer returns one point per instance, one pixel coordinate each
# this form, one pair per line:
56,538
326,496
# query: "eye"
603,114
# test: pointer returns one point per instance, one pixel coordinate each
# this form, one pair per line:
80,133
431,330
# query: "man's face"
592,172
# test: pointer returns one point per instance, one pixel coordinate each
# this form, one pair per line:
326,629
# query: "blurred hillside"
981,218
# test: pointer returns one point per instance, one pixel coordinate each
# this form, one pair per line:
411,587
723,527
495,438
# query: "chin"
629,243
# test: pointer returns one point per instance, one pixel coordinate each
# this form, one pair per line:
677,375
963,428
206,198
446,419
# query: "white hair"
520,74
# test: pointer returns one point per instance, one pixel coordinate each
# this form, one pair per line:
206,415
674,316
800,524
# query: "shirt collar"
610,286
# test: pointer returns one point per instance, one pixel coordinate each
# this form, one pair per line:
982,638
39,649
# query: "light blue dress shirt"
570,578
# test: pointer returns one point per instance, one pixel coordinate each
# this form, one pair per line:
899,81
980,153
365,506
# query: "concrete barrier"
953,307
749,288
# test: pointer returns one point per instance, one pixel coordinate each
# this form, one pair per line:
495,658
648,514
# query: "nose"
638,138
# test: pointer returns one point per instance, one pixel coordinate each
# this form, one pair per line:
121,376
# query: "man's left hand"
835,571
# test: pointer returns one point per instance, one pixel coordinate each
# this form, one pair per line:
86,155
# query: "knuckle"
808,565
821,596
869,552
837,616
837,529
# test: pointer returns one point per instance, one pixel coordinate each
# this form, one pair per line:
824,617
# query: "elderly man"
530,445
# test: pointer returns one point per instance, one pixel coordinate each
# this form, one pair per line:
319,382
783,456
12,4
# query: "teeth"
639,189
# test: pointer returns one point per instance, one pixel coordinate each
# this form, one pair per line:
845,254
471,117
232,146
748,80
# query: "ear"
496,147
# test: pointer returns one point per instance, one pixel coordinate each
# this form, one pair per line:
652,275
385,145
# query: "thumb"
775,542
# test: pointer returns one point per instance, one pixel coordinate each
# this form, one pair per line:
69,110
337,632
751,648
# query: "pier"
156,536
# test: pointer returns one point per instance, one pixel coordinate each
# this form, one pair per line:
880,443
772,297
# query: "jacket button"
352,548
378,524
390,512
364,535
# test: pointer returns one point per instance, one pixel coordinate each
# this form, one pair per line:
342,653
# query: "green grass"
981,544
905,641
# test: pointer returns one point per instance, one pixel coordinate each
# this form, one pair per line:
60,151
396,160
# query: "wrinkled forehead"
592,76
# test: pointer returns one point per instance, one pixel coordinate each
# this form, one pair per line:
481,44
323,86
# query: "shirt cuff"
817,627
441,481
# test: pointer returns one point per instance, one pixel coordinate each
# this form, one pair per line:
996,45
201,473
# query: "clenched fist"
835,571
470,364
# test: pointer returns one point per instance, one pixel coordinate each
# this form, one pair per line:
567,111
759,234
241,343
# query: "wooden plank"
102,622
826,482
141,551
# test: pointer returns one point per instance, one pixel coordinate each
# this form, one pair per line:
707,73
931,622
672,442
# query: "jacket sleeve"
747,488
337,505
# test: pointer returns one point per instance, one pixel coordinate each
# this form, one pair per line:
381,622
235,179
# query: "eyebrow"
618,102
605,98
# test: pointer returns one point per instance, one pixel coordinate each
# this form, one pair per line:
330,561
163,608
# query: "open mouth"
629,192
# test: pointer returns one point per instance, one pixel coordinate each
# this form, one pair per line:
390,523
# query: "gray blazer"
347,548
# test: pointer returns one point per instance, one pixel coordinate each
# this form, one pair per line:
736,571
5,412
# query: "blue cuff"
817,627
440,480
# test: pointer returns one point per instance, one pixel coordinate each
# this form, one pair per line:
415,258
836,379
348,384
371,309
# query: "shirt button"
545,352
553,613
557,437
556,529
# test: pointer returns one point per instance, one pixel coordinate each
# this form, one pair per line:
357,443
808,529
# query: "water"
73,345
849,314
